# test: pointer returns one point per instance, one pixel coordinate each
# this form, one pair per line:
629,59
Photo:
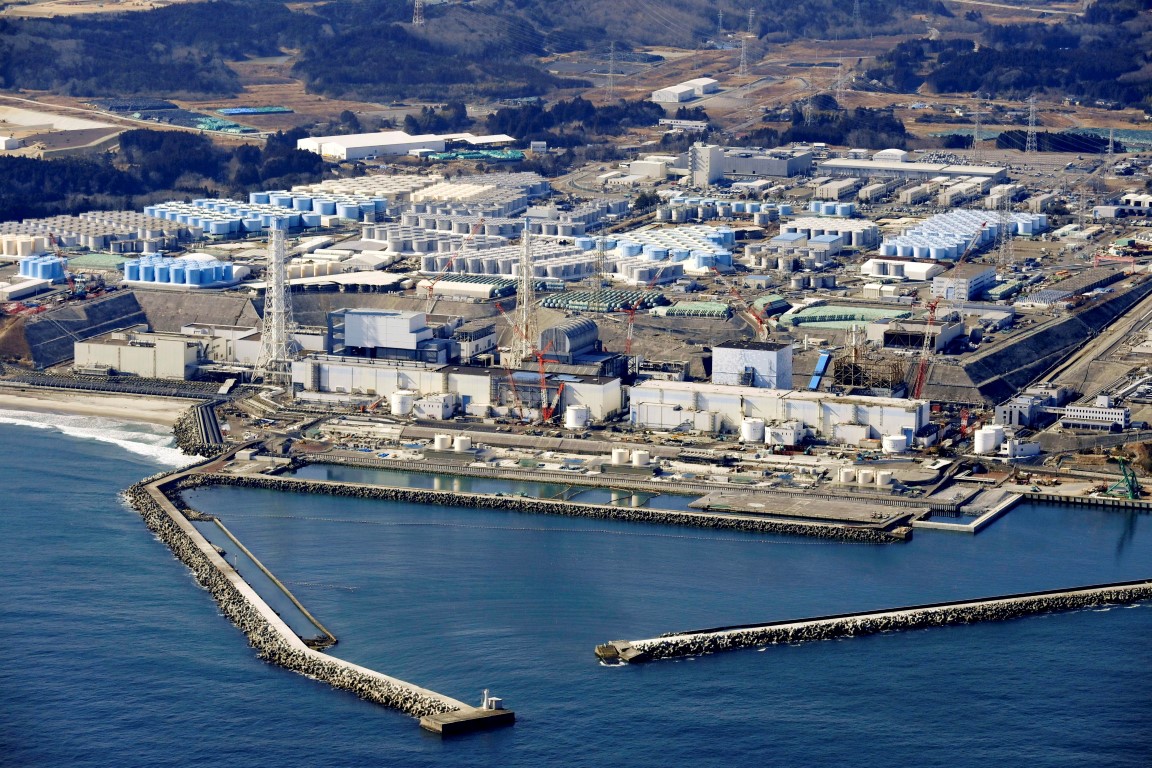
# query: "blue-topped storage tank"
148,272
628,248
258,198
302,203
192,275
349,211
229,271
282,199
163,273
132,270
324,207
177,271
310,219
218,227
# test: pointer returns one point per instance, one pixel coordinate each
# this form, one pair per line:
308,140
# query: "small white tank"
462,444
576,417
883,477
619,456
984,440
847,475
641,458
402,401
442,442
894,443
752,430
866,477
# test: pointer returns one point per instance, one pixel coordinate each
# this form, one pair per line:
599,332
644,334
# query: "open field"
31,9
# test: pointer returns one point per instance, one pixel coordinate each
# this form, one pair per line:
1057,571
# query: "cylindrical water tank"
894,443
402,401
847,475
576,417
883,477
131,270
866,477
752,430
619,456
462,444
442,442
984,440
641,458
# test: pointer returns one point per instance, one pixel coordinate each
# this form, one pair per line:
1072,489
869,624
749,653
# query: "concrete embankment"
273,640
713,640
750,523
197,432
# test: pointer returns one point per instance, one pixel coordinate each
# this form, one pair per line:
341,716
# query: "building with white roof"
365,146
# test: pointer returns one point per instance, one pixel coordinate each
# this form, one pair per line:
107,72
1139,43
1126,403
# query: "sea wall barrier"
713,640
273,640
860,533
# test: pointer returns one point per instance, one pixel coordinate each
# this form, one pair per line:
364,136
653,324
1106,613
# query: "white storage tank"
847,475
619,456
402,402
866,477
577,416
442,442
462,444
641,458
894,443
883,477
752,430
984,441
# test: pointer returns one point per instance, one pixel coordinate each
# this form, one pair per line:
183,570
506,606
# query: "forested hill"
1104,55
368,49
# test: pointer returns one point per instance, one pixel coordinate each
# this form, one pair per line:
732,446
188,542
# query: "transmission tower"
720,23
840,83
1111,142
274,364
809,108
417,13
743,56
1030,146
524,341
856,12
751,18
612,69
1004,234
601,267
977,156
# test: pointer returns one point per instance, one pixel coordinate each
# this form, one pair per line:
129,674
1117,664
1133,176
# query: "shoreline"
158,411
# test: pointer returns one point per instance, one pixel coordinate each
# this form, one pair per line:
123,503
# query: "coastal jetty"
274,641
716,639
894,531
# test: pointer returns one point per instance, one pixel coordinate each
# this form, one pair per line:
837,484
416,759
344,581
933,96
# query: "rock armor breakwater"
189,437
535,506
698,642
271,638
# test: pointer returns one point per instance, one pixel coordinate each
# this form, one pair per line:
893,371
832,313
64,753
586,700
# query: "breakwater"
197,433
273,640
747,523
716,639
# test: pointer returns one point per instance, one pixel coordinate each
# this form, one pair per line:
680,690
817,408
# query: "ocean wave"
147,440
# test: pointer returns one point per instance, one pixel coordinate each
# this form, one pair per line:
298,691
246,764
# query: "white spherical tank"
641,458
894,443
752,430
619,456
847,475
577,417
866,477
402,401
462,444
984,441
442,442
883,477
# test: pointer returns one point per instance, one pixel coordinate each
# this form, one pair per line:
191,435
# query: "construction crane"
1127,484
634,308
921,377
550,409
971,245
743,307
475,229
546,412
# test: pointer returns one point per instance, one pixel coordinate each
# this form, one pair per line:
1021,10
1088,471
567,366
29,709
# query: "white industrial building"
420,389
139,353
752,363
9,142
898,269
686,91
705,407
900,169
964,282
367,146
859,233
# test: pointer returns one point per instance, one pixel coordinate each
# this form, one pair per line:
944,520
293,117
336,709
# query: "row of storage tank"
622,456
202,270
23,245
825,208
813,282
947,236
865,477
43,267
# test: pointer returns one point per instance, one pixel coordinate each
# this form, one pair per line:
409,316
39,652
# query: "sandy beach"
153,410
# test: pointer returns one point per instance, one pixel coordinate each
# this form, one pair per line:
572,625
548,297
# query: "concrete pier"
272,637
702,641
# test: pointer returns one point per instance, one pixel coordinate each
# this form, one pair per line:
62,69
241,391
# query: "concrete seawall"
713,640
273,640
861,533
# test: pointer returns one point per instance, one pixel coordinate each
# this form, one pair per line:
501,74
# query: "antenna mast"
1030,146
276,345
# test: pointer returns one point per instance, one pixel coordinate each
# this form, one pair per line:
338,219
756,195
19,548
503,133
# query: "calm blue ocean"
116,658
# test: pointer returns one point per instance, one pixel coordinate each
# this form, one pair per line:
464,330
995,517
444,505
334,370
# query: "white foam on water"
148,440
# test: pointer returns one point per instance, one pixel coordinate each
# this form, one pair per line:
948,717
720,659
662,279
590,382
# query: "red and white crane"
476,228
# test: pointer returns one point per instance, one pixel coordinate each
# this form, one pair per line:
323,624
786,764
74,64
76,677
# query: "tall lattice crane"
921,377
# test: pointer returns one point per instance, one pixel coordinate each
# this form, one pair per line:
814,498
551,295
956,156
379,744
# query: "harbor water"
118,658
